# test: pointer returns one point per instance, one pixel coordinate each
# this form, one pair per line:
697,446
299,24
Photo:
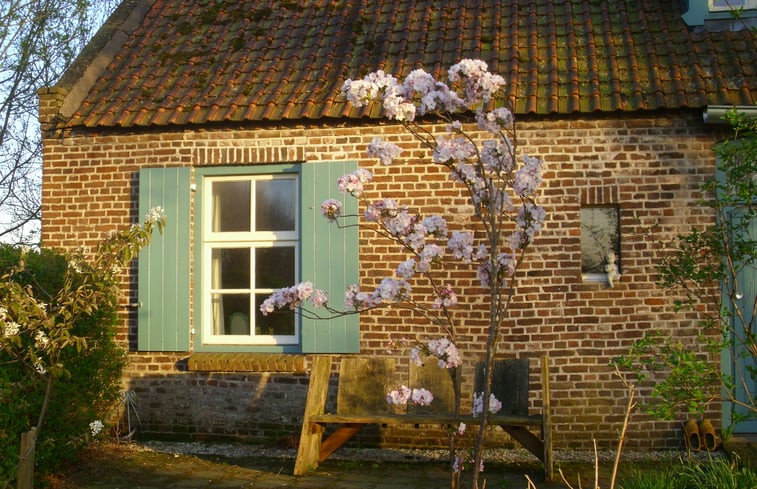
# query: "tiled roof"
198,61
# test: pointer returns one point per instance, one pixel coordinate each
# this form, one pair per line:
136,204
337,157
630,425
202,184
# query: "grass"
713,473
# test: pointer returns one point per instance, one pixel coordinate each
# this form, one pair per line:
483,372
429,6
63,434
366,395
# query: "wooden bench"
361,400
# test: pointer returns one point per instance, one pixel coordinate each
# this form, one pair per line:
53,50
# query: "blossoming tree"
37,326
501,188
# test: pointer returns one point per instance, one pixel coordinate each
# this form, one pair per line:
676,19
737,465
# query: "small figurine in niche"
611,268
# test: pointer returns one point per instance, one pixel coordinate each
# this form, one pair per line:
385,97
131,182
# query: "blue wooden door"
742,360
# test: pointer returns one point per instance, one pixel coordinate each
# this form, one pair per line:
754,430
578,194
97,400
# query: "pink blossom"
415,356
293,297
518,240
350,184
458,464
320,298
480,85
484,274
399,396
392,289
466,68
454,127
381,209
416,239
372,213
357,300
505,267
386,152
361,92
528,178
445,298
531,216
331,209
481,253
478,404
353,183
432,95
406,269
400,224
461,245
496,120
445,351
418,81
530,220
467,174
396,107
432,253
404,394
436,226
448,150
497,155
421,397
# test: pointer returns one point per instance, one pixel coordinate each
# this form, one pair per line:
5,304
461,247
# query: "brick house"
189,105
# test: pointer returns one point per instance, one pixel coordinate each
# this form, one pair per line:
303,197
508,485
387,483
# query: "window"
245,231
600,241
727,5
250,247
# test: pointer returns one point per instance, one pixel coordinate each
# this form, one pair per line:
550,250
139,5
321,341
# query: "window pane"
600,236
275,204
231,314
230,268
727,4
231,206
274,267
276,323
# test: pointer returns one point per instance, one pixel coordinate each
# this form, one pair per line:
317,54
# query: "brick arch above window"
599,193
228,155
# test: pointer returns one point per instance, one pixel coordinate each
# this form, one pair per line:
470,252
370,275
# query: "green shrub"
85,395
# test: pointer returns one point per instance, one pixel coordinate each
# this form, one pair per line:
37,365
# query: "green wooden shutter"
163,282
329,258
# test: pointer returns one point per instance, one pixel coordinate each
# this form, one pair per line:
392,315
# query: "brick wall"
651,166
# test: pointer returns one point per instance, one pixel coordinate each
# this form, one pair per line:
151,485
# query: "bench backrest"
363,384
365,381
509,384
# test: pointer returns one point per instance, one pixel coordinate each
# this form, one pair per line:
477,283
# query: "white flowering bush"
61,367
478,149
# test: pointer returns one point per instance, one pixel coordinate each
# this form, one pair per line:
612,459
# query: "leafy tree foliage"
706,269
38,40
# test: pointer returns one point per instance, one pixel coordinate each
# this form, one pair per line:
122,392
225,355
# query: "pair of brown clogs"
700,436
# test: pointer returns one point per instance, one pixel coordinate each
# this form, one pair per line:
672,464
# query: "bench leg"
312,433
549,469
338,438
528,440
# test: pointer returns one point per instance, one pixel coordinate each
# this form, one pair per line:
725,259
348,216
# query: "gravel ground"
509,456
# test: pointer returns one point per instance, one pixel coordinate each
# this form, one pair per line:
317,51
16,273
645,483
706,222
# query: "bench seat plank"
426,419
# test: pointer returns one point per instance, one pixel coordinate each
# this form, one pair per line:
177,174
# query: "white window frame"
211,240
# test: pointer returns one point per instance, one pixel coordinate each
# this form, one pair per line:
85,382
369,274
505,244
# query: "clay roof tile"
190,62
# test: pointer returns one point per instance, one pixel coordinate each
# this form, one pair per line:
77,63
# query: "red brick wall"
651,166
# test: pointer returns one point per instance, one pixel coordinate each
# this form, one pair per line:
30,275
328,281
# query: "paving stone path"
118,467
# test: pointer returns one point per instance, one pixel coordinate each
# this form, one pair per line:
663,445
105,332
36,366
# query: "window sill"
594,278
246,362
